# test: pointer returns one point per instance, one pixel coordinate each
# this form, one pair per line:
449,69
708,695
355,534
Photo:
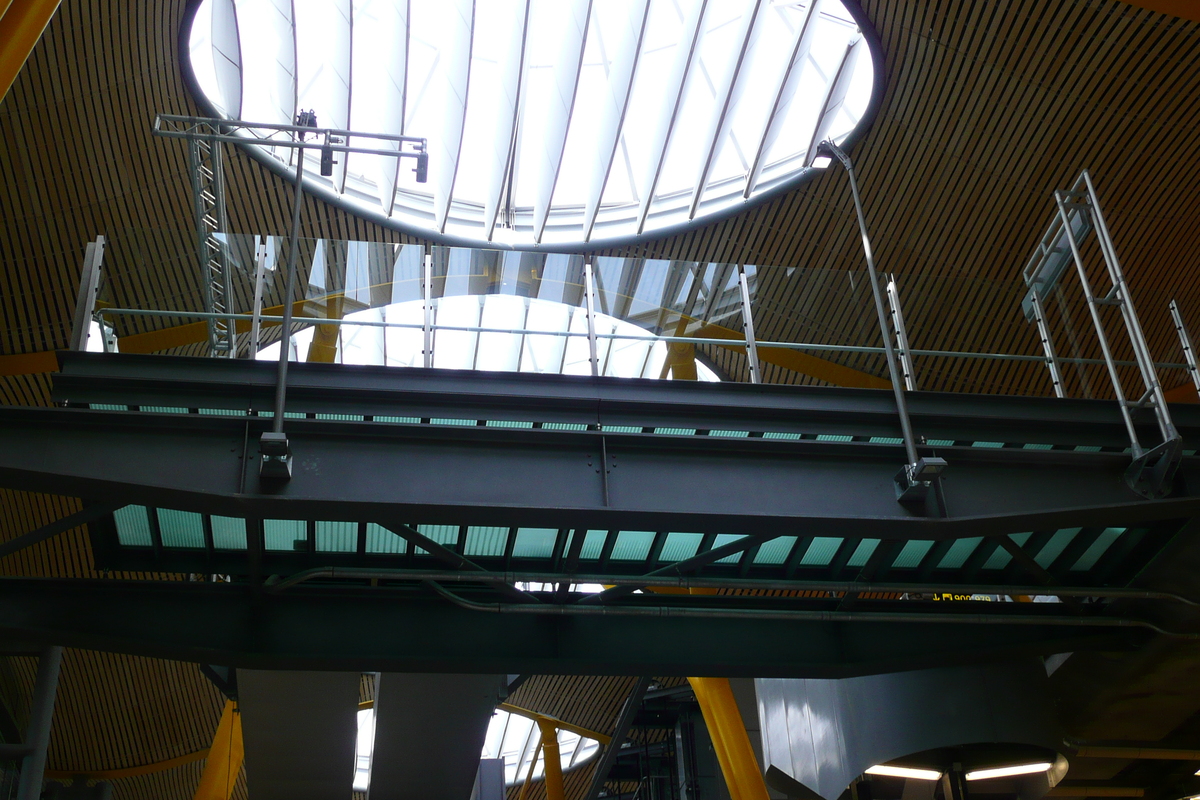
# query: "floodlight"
904,772
1008,772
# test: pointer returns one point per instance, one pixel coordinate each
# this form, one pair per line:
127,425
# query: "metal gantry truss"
1079,214
208,204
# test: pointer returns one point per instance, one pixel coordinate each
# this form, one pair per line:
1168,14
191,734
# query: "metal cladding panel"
822,734
299,731
429,731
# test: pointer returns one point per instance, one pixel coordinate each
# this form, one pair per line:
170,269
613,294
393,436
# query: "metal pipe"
285,342
612,749
833,587
427,326
910,445
805,616
808,346
589,290
41,713
260,268
748,319
1135,445
1185,341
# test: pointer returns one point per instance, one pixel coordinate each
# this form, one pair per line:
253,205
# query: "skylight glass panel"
547,121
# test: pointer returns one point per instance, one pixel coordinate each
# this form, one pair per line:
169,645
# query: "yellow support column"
728,733
21,26
224,761
552,760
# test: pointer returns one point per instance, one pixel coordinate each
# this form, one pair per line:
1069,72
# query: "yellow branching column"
224,757
552,760
21,26
325,337
728,733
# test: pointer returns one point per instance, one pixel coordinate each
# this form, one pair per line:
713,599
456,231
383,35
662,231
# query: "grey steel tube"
41,713
509,578
910,445
286,339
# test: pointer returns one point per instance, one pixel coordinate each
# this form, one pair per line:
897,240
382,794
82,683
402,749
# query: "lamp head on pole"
824,155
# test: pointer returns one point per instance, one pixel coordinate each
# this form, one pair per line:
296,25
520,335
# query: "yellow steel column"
552,760
728,734
20,28
224,757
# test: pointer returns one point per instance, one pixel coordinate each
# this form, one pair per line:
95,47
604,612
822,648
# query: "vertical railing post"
1189,350
427,325
589,290
89,287
748,318
41,714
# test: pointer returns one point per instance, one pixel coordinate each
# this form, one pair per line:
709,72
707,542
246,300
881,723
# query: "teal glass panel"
133,526
564,426
780,435
724,539
337,537
508,423
1053,548
452,422
831,437
730,434
675,431
911,554
282,534
229,533
406,420
622,429
987,444
486,541
1000,558
163,409
341,417
1098,548
679,546
593,544
535,542
820,551
381,540
632,545
886,440
863,552
775,551
959,552
181,528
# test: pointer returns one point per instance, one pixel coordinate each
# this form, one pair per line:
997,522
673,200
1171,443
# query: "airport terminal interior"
599,399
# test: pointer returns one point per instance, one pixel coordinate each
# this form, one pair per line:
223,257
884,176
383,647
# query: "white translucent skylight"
548,351
548,121
515,739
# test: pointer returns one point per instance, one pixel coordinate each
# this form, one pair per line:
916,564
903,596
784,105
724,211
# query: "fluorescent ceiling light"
904,772
548,121
1006,772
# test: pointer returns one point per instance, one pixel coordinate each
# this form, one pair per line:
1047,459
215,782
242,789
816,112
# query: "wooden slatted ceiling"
988,108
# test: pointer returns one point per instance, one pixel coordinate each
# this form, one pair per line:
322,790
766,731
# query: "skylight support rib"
789,81
455,67
732,85
572,45
838,87
394,101
612,112
685,58
227,55
341,43
508,115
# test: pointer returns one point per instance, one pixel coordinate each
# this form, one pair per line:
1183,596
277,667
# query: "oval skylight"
551,122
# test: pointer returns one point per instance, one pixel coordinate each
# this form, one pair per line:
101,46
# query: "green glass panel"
181,528
381,540
730,434
911,554
679,546
486,541
724,539
830,437
133,526
593,544
341,417
164,409
1053,548
229,533
282,534
676,431
987,444
107,407
959,552
863,552
442,534
939,442
535,542
622,429
632,545
779,435
775,551
820,551
406,420
508,423
337,537
564,426
452,422
224,412
1098,548
886,440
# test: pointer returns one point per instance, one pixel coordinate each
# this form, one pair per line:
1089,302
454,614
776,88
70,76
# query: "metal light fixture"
904,772
1008,772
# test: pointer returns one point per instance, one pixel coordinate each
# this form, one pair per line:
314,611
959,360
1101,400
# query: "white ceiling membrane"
561,123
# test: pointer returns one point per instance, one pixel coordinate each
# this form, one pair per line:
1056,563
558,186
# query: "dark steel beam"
82,517
401,474
383,630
